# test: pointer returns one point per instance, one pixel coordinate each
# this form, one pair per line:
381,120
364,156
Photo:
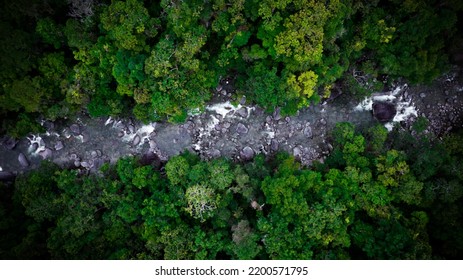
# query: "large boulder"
247,153
75,129
384,111
23,160
241,129
10,143
46,154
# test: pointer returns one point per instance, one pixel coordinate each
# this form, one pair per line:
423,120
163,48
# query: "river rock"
247,153
84,164
4,175
10,143
77,163
120,134
297,152
85,137
46,154
97,163
241,129
276,114
131,129
214,153
59,145
23,160
136,140
384,111
242,112
308,131
94,154
274,145
243,100
75,129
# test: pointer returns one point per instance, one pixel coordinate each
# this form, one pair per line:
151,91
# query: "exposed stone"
214,153
422,95
23,160
153,144
322,121
120,134
84,164
308,131
4,175
384,111
59,145
131,128
274,145
276,114
247,153
218,88
10,143
243,100
226,124
75,129
99,153
268,119
73,156
136,140
242,112
77,163
85,137
241,129
94,154
46,154
297,152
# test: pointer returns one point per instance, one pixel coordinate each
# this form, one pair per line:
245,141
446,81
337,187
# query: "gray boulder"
242,112
59,145
274,145
46,154
23,160
241,129
308,131
384,111
247,153
75,129
10,143
136,140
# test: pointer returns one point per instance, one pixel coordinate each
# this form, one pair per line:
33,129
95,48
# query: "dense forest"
378,195
373,198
